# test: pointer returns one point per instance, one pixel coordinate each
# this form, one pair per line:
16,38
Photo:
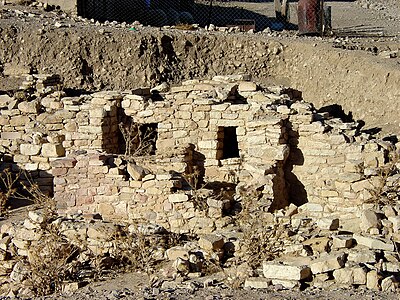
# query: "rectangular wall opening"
228,146
137,139
148,138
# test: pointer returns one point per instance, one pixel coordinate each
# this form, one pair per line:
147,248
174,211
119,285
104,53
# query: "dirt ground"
361,74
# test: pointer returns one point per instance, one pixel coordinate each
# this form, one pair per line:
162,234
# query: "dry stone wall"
226,130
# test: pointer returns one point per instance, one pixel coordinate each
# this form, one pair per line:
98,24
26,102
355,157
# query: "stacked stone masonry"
315,182
227,129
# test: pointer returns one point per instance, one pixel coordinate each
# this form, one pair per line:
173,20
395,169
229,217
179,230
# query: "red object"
308,13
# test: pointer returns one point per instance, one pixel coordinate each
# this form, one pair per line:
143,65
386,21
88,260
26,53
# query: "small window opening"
228,143
148,138
137,139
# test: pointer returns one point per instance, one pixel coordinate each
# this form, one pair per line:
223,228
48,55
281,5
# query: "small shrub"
8,189
50,260
261,240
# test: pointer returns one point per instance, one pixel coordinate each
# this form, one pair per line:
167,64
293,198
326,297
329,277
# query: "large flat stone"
327,263
374,243
273,270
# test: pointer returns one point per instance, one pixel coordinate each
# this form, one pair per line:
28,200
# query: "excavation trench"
365,86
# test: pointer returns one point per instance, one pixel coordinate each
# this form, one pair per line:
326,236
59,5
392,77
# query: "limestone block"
374,243
53,150
4,242
392,267
343,276
19,121
101,231
176,198
36,216
28,224
220,204
311,207
177,252
257,283
21,244
29,107
211,242
30,149
5,100
208,144
26,234
11,135
329,223
327,263
31,166
389,284
283,109
318,244
302,107
247,86
274,270
287,284
348,276
136,172
396,223
342,241
369,219
373,280
359,275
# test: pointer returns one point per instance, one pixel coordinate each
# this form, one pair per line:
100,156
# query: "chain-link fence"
258,14
308,16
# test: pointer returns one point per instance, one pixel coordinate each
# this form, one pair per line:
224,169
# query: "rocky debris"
359,263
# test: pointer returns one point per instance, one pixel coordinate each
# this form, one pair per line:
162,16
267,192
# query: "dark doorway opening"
230,145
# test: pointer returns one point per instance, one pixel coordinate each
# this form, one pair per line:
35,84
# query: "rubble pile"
308,253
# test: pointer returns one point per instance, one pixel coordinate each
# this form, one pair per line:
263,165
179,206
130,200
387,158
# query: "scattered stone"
211,242
272,270
328,262
374,243
257,283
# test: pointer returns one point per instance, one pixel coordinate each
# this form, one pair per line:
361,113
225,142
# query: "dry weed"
50,262
261,241
8,188
137,142
387,190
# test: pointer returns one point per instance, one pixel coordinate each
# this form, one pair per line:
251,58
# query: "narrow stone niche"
228,146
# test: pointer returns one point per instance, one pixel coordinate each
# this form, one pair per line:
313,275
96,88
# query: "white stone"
369,219
257,283
373,280
389,284
273,270
287,284
247,86
176,198
328,223
342,241
374,243
211,242
30,149
53,150
327,263
176,252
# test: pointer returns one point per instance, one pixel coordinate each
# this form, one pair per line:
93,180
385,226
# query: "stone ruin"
186,157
